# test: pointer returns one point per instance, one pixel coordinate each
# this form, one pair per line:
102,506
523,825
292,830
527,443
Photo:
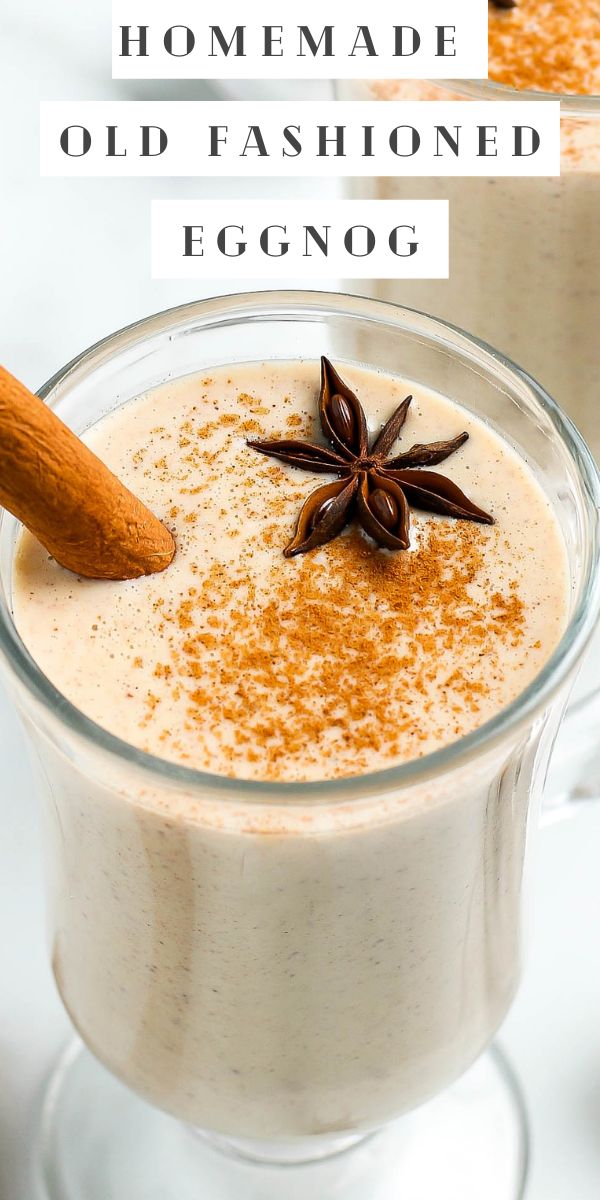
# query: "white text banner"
315,39
308,239
300,138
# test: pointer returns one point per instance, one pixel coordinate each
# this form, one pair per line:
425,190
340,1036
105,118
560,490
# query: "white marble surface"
74,265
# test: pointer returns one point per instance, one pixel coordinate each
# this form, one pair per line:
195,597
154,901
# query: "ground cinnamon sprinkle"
342,661
546,45
348,659
333,657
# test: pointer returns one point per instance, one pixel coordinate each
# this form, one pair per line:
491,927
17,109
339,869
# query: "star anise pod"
373,488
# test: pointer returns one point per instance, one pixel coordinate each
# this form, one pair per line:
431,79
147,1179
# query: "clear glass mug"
525,253
288,967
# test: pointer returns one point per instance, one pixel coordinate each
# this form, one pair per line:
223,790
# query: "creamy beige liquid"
525,253
279,969
239,661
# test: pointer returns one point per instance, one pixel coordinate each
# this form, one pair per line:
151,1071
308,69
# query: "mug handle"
574,772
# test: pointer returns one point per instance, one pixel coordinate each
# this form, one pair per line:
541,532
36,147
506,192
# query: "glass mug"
525,253
289,967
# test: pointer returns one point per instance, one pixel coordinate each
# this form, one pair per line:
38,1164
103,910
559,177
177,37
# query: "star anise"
373,488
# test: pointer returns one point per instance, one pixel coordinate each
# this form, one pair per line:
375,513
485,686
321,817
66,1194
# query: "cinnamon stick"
80,512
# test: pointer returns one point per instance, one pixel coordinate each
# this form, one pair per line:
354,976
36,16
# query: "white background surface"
75,265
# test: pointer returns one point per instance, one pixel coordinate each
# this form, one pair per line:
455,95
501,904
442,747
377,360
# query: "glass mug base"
97,1140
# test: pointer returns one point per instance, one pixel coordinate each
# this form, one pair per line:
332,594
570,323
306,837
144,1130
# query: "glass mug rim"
230,309
571,104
